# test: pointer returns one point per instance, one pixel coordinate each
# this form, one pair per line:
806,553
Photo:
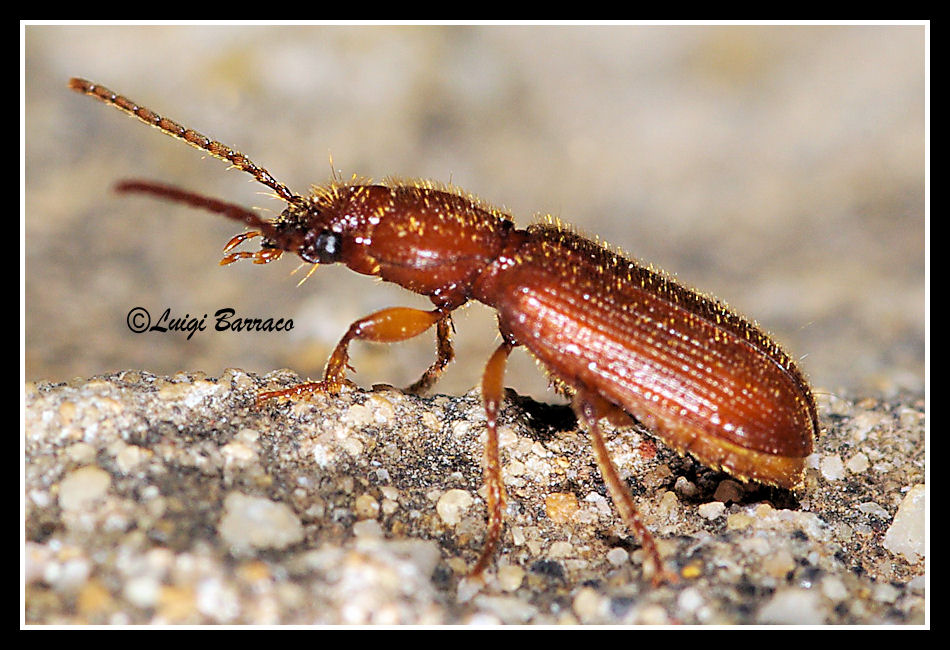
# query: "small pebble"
907,534
711,510
832,468
83,487
452,504
510,577
618,556
858,463
256,522
560,506
588,604
367,507
728,491
792,606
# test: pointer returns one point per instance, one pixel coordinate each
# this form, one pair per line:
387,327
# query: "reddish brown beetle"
621,339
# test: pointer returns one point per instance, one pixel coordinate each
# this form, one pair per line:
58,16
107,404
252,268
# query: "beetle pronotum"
621,340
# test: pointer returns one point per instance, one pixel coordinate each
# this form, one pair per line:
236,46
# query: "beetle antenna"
195,200
195,139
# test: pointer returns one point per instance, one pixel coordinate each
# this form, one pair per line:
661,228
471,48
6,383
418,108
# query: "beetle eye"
322,247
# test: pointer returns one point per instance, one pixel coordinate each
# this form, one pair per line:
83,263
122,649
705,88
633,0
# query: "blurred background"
779,168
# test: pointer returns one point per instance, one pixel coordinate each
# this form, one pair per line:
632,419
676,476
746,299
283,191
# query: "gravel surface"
169,500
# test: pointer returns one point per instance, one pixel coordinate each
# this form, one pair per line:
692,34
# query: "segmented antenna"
195,139
195,200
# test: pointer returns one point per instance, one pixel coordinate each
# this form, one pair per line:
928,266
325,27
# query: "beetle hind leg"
590,409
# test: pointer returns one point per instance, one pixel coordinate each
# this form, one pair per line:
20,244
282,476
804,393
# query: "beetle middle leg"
385,326
590,409
492,394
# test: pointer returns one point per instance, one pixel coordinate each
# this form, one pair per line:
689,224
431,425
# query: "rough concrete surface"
171,500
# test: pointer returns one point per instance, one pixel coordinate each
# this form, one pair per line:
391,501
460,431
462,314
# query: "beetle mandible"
621,340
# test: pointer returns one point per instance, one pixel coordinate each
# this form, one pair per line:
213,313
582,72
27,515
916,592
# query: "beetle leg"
590,409
492,394
385,326
445,355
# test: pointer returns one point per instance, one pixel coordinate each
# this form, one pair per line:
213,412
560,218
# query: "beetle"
622,341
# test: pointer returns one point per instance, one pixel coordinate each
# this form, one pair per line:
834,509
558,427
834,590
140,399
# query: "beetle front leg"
444,356
385,326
